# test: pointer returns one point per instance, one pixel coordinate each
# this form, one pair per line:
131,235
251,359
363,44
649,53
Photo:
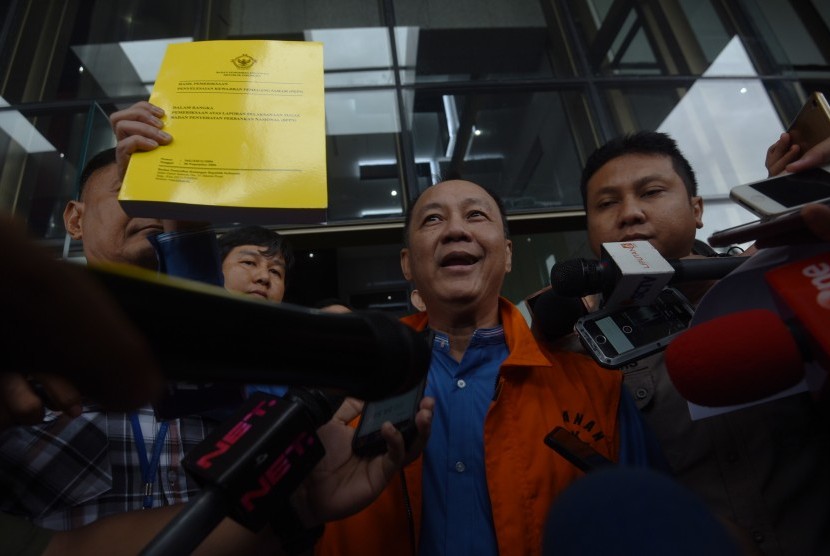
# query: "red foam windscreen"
737,358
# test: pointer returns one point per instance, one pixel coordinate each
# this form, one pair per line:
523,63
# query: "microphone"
555,315
750,353
633,272
734,359
201,333
249,466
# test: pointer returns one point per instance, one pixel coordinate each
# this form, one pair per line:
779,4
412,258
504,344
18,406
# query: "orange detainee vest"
538,390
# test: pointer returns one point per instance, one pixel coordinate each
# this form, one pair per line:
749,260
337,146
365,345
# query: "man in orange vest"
486,479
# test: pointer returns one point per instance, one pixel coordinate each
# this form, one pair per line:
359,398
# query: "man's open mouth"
459,259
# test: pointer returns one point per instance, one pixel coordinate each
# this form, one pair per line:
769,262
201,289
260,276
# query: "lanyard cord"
148,467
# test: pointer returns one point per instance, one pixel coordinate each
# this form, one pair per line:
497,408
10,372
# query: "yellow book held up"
249,140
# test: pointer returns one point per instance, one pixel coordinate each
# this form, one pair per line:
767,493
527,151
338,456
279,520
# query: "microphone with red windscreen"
738,358
747,356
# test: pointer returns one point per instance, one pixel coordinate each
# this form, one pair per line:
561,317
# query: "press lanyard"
148,468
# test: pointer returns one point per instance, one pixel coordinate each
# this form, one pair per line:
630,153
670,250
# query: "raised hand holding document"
248,126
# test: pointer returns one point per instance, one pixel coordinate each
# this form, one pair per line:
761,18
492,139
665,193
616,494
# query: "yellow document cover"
248,126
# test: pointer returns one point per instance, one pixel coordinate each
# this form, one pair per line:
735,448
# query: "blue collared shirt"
457,518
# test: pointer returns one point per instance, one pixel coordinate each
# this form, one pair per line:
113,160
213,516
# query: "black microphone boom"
580,277
201,333
710,268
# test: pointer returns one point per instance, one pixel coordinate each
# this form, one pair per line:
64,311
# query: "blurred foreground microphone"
633,273
248,467
641,513
201,333
734,359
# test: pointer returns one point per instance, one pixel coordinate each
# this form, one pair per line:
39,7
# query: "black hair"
270,241
493,195
100,160
642,142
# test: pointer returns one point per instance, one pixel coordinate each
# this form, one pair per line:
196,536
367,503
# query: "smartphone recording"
623,335
784,193
784,228
399,410
812,123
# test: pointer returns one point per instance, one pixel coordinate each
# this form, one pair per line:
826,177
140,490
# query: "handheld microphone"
734,359
758,331
249,466
202,333
633,272
555,315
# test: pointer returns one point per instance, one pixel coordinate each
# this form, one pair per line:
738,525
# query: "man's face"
109,235
457,250
248,271
641,197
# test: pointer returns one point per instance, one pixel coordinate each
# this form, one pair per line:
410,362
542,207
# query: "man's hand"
785,156
817,156
137,128
65,330
343,483
780,154
22,404
817,218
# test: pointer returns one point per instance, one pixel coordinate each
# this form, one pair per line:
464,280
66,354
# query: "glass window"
479,41
711,34
363,176
797,32
615,38
523,145
723,126
282,18
60,52
535,254
41,155
680,37
511,94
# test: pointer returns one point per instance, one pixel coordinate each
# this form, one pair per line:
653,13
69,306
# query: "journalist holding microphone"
764,469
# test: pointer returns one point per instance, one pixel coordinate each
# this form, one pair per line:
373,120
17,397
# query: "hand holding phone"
784,193
787,228
812,123
400,410
810,128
